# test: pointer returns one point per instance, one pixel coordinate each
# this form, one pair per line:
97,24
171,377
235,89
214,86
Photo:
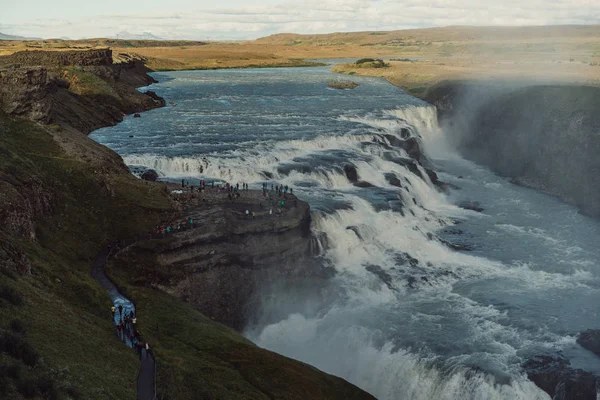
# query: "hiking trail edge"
146,376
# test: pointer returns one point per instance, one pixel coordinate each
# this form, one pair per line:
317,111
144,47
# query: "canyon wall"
546,137
83,90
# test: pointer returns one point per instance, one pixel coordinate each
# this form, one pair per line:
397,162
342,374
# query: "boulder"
351,173
556,377
157,99
471,205
433,176
364,184
412,147
150,175
381,274
394,141
393,180
590,340
137,115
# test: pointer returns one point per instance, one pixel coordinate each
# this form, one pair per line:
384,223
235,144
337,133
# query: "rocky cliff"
546,137
220,264
83,90
54,59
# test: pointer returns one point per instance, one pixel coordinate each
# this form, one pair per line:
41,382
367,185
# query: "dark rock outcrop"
156,98
25,93
433,176
351,173
221,264
381,274
556,377
51,59
590,340
544,137
43,86
412,148
149,175
471,205
364,184
393,180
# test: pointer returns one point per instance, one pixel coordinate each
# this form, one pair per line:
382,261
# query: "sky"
239,19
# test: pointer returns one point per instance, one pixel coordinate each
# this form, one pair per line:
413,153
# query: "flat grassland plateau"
415,59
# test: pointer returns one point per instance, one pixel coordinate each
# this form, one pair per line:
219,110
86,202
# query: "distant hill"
443,34
4,36
124,35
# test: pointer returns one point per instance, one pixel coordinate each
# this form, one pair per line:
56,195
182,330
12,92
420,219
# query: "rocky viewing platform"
220,249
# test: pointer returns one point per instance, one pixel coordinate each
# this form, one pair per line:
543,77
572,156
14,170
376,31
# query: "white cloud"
316,16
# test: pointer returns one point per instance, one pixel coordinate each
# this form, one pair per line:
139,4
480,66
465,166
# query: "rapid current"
405,316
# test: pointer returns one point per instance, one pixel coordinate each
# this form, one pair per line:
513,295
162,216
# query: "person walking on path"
112,310
121,312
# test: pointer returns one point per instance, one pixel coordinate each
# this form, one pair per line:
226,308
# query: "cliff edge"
83,90
546,137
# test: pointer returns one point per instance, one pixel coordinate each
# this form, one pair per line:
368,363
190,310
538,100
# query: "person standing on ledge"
182,183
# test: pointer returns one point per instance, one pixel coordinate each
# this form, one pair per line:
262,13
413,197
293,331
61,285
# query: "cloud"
317,16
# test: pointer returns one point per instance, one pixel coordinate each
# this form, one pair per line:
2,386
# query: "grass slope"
63,310
201,359
56,337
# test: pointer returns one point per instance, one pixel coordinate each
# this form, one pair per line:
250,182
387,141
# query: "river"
405,316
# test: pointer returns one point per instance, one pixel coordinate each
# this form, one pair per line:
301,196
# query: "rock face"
543,137
24,92
351,173
35,85
150,175
590,340
556,377
221,264
51,59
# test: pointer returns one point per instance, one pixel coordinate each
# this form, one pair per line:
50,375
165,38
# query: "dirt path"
146,376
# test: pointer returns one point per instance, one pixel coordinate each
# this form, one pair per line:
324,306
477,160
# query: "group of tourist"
212,185
176,227
280,190
127,329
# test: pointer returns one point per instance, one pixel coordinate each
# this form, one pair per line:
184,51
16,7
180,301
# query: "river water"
405,316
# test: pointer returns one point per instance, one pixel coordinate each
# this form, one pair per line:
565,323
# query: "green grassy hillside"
50,307
56,338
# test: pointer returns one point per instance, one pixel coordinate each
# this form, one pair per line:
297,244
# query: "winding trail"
146,389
